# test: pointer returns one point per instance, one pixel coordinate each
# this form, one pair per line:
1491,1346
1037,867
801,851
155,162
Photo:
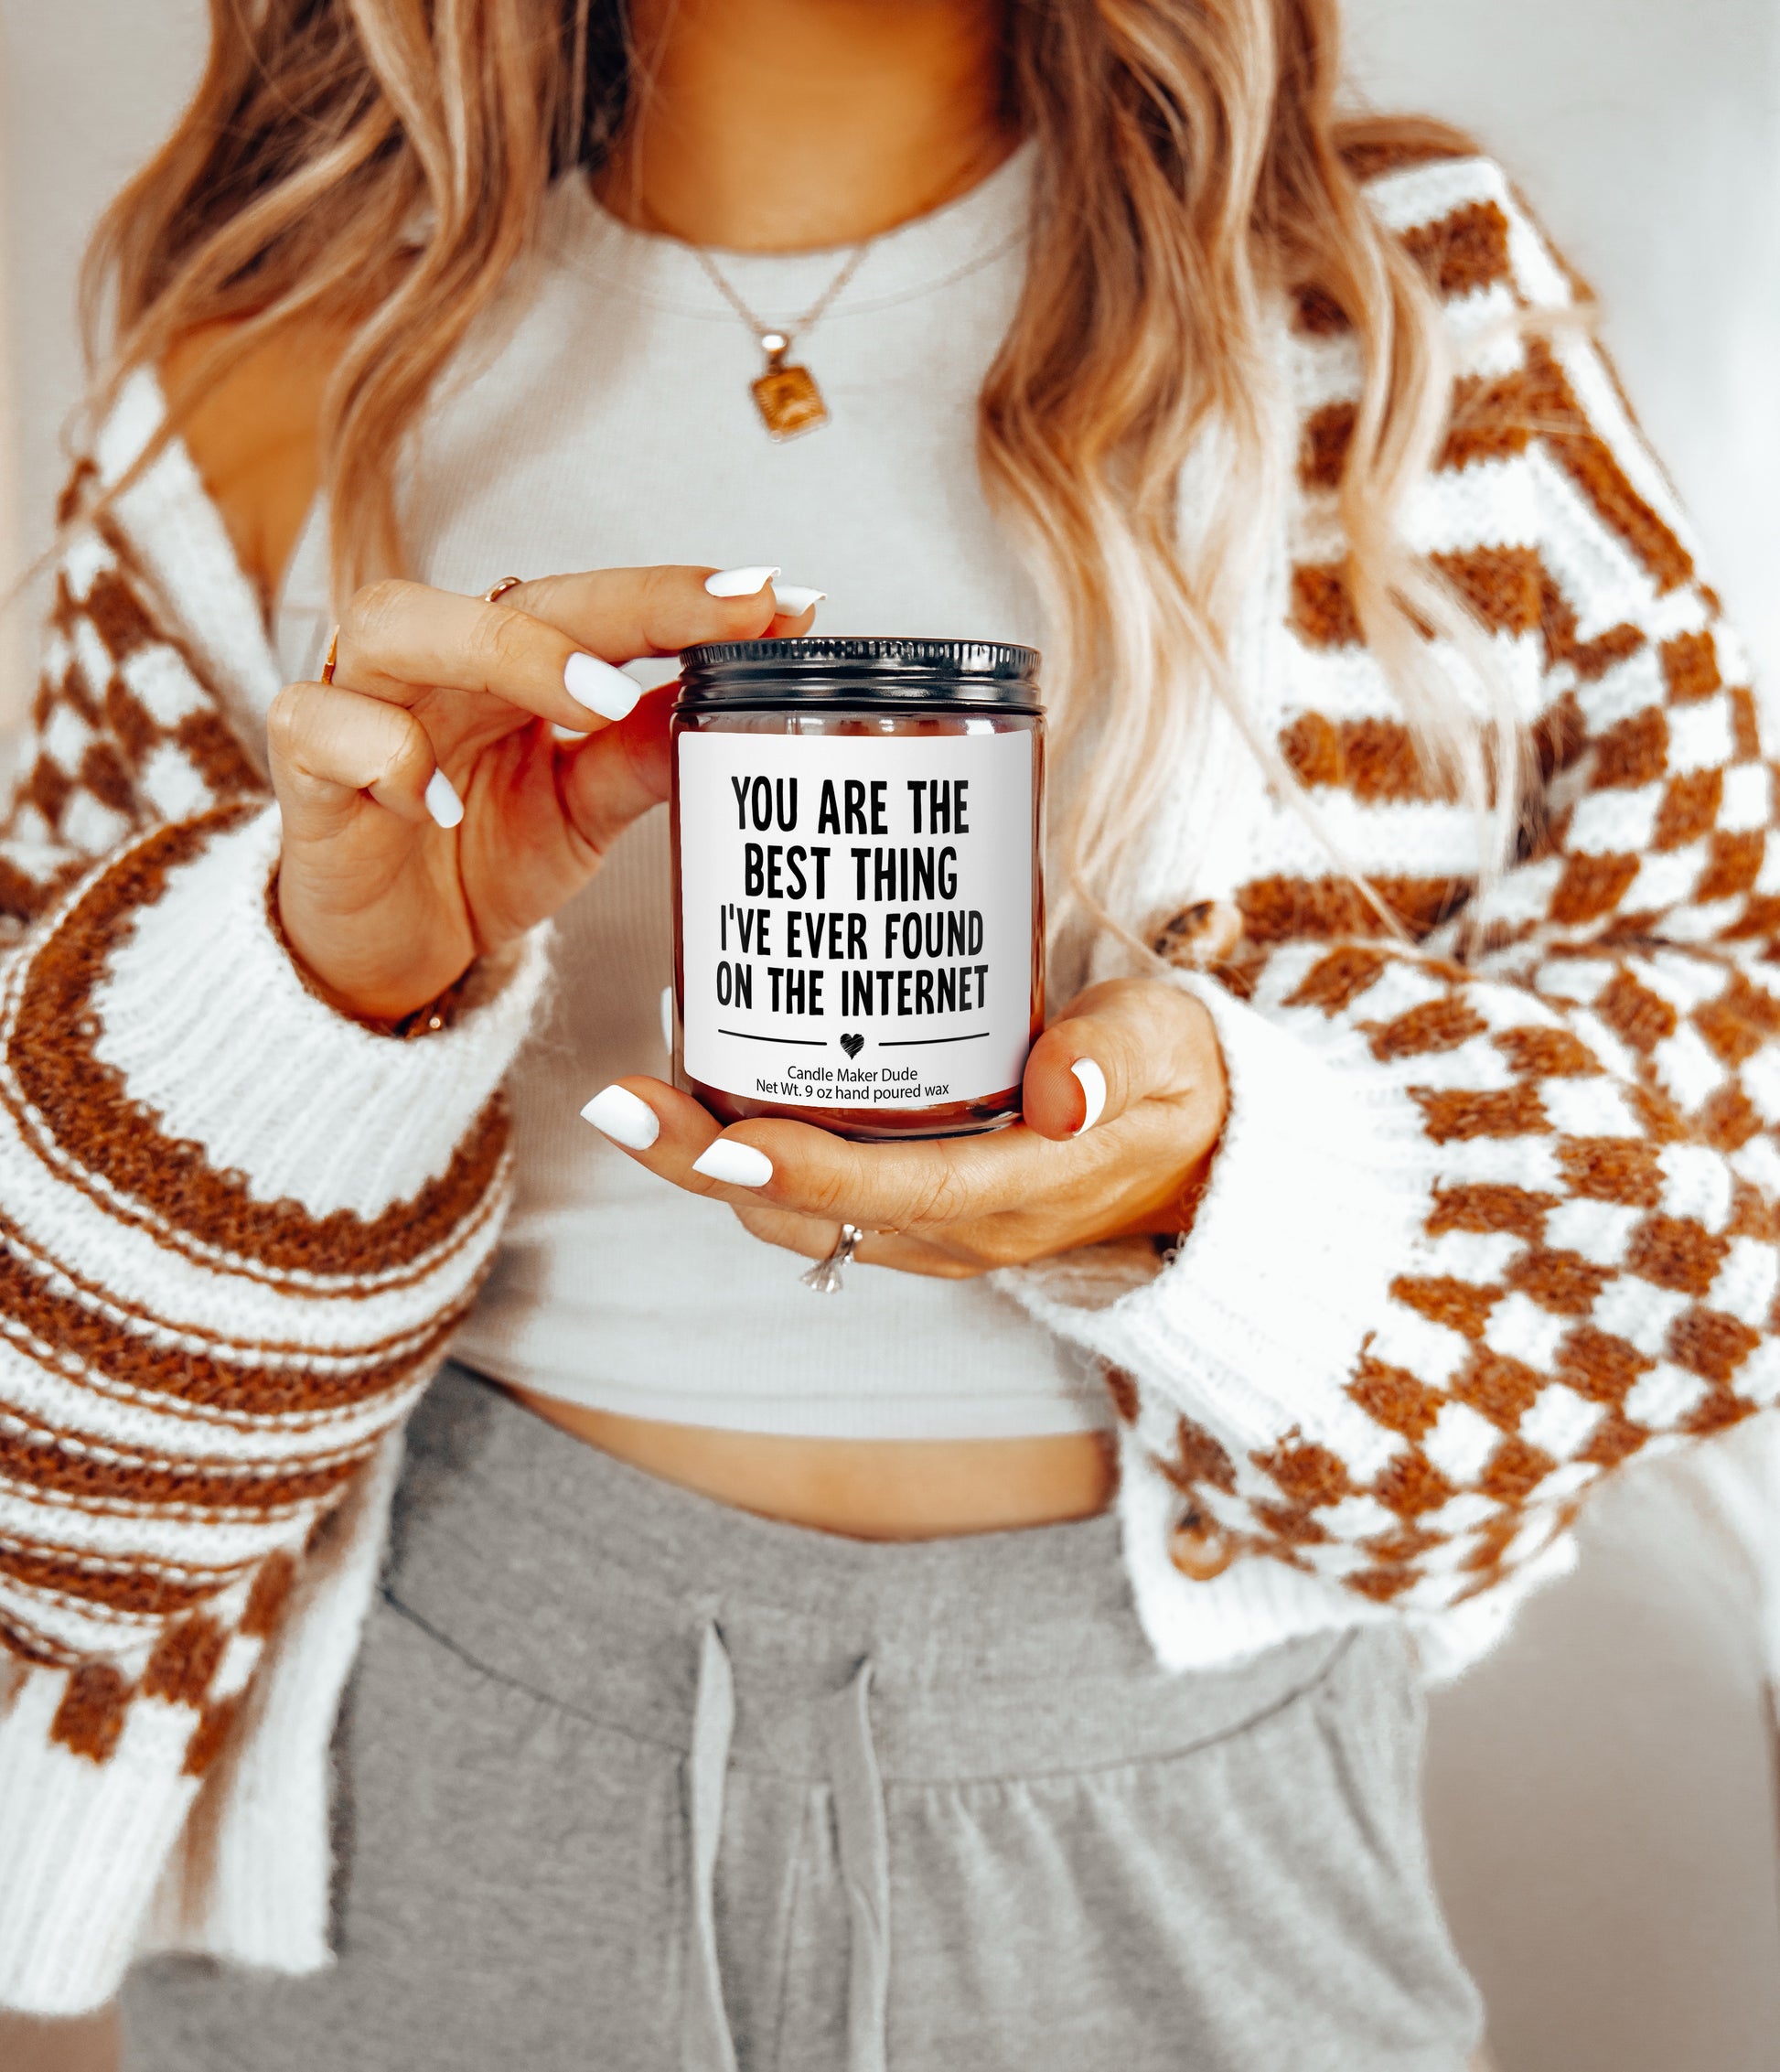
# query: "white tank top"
608,423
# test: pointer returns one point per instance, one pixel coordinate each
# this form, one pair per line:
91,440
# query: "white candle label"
856,916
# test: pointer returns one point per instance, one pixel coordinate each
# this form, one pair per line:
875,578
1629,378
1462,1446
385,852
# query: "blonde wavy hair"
386,161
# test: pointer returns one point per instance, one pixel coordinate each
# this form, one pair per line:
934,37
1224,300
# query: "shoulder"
1514,322
1459,215
1542,481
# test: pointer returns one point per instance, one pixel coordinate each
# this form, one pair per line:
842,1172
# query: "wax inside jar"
859,913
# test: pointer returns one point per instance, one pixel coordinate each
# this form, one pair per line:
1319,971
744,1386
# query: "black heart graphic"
853,1045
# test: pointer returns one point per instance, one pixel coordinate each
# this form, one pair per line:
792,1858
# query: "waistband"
562,1571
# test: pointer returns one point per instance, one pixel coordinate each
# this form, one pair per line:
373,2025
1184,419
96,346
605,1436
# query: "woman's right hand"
430,812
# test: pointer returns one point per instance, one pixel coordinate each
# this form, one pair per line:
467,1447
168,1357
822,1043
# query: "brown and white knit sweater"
236,1231
1480,1229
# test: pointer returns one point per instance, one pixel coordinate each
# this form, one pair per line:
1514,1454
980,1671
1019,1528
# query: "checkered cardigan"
1492,1213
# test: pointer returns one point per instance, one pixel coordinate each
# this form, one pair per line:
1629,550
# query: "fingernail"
442,800
790,598
1092,1081
623,1118
738,581
736,1165
601,688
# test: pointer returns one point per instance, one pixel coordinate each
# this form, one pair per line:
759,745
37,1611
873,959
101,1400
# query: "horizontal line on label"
914,1043
803,1043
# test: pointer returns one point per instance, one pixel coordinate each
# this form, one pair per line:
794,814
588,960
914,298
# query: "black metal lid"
860,672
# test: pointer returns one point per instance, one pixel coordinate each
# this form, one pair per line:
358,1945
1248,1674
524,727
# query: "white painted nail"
738,581
668,1019
623,1118
442,800
1092,1081
601,688
736,1165
790,598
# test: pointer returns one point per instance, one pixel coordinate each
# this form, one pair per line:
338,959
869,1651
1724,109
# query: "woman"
755,1680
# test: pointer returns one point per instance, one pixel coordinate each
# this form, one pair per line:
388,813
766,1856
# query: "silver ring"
825,1275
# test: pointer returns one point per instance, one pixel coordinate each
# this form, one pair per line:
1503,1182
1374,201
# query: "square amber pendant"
790,402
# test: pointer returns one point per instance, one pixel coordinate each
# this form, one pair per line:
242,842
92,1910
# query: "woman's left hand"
1125,1099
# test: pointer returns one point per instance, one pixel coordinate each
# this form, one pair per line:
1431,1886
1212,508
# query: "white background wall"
1647,131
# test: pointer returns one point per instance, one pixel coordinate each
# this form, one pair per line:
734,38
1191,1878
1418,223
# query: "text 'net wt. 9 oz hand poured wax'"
859,908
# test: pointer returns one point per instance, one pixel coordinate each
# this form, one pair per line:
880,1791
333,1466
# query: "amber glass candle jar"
859,913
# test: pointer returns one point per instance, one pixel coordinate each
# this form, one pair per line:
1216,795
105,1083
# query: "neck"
786,125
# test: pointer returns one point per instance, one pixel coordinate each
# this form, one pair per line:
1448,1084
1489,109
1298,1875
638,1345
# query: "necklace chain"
800,326
788,397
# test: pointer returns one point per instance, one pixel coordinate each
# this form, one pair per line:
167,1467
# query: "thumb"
1114,1045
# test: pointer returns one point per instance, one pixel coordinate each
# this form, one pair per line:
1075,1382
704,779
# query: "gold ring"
500,589
333,656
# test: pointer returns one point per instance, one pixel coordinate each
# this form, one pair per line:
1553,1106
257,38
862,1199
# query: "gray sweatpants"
633,1781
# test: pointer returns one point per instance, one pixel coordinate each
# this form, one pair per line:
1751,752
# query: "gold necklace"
785,395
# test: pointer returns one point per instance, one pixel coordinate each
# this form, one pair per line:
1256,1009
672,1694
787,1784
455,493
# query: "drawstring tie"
706,2045
865,1852
864,1841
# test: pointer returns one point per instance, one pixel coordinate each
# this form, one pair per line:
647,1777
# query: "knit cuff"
1308,1215
83,1844
214,1032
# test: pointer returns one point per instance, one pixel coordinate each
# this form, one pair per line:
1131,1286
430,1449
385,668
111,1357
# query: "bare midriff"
861,1489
